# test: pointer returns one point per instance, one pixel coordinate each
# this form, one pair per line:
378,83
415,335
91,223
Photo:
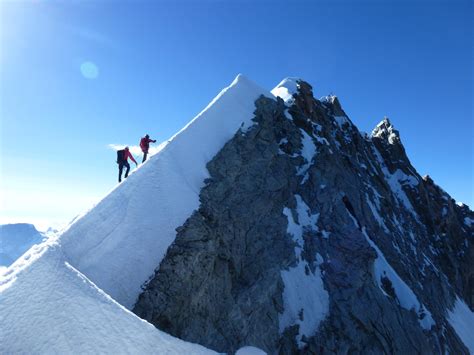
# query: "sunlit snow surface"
286,88
53,308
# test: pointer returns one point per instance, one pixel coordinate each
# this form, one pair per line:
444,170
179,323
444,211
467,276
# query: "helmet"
126,148
147,136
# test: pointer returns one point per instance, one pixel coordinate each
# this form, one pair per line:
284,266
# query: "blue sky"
156,64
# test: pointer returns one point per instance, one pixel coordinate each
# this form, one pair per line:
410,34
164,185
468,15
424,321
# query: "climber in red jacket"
122,161
145,145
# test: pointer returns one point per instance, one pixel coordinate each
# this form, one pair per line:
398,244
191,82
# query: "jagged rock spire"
336,108
387,132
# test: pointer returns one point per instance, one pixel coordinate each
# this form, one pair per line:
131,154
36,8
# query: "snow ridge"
142,213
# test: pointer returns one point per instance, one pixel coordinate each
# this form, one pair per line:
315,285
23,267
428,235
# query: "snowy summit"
273,225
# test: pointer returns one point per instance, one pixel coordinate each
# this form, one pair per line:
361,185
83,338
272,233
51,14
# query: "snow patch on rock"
385,129
376,215
308,151
250,350
286,89
461,319
306,302
396,181
404,294
341,121
468,221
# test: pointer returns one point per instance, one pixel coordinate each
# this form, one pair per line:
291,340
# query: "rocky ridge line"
356,201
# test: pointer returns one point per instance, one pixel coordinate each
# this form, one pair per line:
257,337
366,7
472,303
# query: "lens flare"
89,70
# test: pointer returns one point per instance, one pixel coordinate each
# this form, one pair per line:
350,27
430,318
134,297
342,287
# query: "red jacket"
127,155
145,144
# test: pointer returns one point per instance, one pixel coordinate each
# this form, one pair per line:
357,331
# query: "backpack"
120,156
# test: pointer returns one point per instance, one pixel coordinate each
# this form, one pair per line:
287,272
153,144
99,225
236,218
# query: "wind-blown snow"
305,300
405,295
51,307
123,239
461,319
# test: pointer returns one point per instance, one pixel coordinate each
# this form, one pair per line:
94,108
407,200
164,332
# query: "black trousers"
144,156
121,165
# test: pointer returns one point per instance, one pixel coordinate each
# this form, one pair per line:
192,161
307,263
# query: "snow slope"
122,240
51,307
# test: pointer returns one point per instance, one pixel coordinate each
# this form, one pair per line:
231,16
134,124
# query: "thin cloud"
92,36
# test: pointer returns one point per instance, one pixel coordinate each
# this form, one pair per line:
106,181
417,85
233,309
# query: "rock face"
312,237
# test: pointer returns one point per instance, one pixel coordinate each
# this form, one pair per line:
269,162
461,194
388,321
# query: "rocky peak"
387,132
428,180
332,101
304,98
310,239
387,140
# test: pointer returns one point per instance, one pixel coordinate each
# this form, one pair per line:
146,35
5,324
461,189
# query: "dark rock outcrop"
303,206
219,283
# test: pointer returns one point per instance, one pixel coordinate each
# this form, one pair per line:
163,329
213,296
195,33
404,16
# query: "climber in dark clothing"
122,161
145,145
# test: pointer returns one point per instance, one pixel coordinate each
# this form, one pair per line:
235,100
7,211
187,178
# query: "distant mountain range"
17,238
